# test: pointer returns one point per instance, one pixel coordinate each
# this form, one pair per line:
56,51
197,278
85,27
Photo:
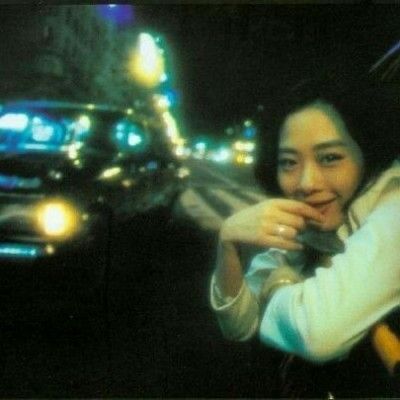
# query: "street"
129,133
153,335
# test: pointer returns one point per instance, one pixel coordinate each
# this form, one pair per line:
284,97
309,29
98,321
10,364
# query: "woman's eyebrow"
319,146
330,143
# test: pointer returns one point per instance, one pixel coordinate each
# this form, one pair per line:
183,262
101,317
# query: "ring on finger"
280,230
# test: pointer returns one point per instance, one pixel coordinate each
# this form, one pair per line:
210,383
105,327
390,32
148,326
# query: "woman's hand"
271,223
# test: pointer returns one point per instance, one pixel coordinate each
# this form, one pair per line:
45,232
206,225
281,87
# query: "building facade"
64,52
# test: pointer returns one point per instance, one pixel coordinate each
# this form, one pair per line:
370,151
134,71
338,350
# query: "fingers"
279,236
296,221
281,243
302,209
282,231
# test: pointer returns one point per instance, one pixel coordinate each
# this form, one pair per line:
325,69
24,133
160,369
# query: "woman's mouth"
322,206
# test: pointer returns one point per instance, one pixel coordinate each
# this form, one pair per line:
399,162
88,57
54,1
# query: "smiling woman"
318,161
328,270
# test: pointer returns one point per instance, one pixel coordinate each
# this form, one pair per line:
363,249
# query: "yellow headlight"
57,219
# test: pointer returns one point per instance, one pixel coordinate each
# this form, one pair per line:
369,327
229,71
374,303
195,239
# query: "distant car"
67,170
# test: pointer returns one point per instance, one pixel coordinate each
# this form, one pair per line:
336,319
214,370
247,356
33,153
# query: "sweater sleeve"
323,317
239,317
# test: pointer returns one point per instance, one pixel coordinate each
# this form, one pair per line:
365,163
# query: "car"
69,170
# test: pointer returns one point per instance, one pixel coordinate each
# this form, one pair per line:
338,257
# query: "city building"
64,52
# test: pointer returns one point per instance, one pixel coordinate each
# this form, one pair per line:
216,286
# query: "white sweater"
322,317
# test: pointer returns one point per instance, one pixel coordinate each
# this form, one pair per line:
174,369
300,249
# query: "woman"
329,158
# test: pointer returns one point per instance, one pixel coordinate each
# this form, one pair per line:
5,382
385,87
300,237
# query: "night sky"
230,58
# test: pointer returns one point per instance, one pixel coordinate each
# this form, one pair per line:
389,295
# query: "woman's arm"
237,308
326,315
228,271
259,225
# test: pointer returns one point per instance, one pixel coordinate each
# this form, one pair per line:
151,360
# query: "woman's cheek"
287,184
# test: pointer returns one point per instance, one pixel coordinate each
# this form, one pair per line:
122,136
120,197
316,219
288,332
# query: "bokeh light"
119,14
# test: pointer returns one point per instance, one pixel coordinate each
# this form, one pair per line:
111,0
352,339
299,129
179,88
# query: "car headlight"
57,219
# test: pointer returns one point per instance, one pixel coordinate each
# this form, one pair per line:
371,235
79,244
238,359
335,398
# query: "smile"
322,206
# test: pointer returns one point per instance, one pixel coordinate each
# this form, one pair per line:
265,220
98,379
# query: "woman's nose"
311,180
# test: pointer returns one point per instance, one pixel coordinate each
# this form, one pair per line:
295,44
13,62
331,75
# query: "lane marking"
231,200
258,196
199,210
219,206
221,177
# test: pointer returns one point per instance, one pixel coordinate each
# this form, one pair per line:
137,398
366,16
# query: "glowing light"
38,146
57,219
11,182
73,150
41,132
134,139
19,250
128,183
84,121
110,172
180,151
244,146
161,102
183,172
79,128
14,122
171,126
118,14
49,249
200,146
244,159
248,159
146,62
222,155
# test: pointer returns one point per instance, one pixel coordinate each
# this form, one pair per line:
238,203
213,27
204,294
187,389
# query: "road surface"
153,335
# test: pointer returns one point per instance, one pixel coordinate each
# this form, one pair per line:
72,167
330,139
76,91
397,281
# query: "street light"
147,64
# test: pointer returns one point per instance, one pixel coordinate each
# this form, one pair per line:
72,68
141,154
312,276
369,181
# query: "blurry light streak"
171,126
391,51
19,250
146,62
110,172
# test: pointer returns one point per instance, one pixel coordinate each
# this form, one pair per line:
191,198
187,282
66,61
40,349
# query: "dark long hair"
370,111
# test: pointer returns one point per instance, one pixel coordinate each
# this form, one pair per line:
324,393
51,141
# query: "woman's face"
318,161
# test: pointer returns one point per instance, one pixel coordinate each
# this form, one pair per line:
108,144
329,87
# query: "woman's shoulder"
385,186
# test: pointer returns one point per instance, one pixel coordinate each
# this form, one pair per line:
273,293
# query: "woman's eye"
286,163
330,158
